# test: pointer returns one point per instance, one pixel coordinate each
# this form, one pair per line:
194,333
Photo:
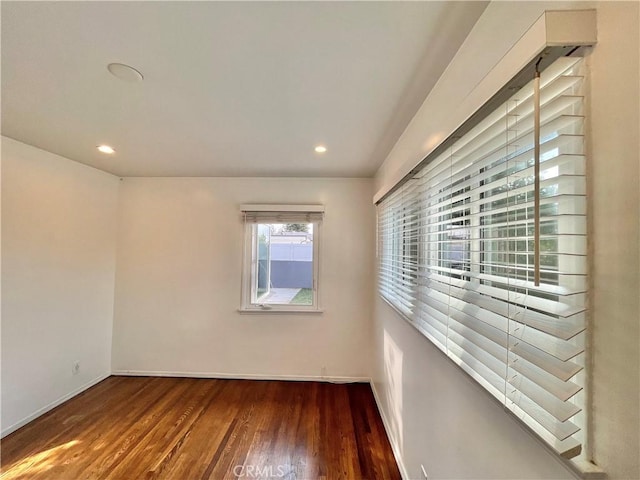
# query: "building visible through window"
284,264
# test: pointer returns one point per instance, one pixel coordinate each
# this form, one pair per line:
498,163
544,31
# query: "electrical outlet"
424,473
75,368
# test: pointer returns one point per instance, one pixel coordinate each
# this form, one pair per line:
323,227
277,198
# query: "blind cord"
536,174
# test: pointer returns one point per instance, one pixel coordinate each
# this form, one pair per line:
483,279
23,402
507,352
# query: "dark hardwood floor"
183,428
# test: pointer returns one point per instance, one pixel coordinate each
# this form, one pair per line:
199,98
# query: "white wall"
615,239
179,277
58,273
437,415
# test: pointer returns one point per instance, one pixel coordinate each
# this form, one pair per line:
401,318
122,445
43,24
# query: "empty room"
320,240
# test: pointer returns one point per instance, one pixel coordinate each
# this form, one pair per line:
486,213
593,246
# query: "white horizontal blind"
456,255
258,213
282,217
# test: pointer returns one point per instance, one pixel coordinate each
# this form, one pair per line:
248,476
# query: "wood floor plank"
184,428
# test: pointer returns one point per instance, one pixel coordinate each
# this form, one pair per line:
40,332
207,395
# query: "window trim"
249,245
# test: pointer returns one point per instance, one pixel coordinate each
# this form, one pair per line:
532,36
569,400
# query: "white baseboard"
394,444
241,376
52,405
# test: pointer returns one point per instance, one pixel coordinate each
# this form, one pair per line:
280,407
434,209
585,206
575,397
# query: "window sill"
271,311
586,470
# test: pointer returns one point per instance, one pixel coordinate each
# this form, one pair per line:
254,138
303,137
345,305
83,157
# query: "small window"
281,258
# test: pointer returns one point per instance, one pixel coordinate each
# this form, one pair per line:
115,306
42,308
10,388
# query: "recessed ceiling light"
125,72
106,149
320,149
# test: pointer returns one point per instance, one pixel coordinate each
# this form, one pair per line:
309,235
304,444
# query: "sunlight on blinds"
456,247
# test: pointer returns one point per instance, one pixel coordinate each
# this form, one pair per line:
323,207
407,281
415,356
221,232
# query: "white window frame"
249,257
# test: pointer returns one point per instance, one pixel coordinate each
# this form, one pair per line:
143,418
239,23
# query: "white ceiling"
231,88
